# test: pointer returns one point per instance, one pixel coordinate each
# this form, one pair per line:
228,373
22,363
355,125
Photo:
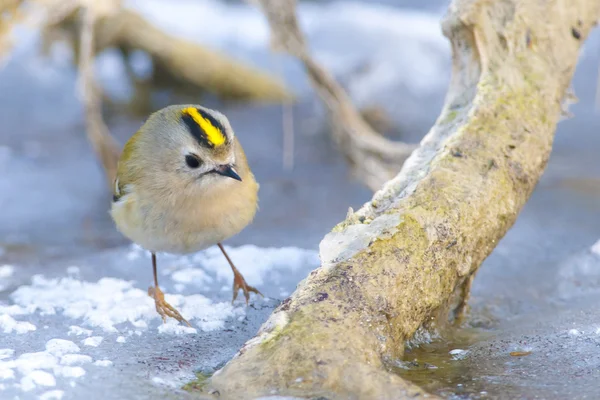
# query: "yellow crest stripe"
213,134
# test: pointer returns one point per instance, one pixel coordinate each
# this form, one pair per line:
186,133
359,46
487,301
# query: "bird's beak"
227,170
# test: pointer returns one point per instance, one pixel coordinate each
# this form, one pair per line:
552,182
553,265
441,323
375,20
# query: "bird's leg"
162,307
238,280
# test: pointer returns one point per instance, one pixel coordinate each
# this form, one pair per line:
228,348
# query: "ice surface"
94,320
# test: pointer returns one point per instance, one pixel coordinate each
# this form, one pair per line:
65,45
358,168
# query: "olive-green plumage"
166,206
183,184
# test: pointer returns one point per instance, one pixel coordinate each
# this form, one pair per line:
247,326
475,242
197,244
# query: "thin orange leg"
162,307
238,280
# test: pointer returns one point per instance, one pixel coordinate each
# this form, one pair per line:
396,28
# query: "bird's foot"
240,283
163,308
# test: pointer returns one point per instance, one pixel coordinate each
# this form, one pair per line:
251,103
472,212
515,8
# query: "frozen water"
94,324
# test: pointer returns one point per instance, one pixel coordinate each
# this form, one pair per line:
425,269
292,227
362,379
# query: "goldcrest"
183,184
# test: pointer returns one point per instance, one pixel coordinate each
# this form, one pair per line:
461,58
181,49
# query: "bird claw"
163,308
240,283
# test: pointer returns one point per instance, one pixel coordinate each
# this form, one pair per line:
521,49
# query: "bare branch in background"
406,259
373,158
10,15
104,144
107,24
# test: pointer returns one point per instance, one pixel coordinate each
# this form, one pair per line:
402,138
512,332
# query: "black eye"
192,161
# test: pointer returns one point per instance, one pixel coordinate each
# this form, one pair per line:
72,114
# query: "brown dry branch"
10,15
373,159
183,61
405,260
105,146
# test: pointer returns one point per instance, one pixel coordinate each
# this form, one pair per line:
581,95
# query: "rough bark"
407,257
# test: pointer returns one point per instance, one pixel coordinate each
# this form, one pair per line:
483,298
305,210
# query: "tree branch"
373,159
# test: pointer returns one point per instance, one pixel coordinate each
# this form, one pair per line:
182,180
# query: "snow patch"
34,378
191,275
103,363
70,372
93,341
60,347
8,325
112,301
6,271
6,353
254,262
78,331
596,248
75,359
52,395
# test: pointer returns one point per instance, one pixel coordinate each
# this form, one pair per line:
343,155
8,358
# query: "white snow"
191,275
574,332
70,372
52,395
139,323
596,248
77,330
60,347
28,362
42,378
6,353
43,367
103,363
75,359
8,325
6,372
254,262
6,271
93,341
121,339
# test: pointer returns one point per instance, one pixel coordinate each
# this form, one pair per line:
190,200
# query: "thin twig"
98,134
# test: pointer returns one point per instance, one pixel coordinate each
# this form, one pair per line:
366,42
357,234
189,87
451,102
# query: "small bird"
183,184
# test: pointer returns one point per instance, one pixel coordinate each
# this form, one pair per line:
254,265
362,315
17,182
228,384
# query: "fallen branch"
405,260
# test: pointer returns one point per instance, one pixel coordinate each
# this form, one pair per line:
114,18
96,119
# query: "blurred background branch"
91,26
98,134
373,159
